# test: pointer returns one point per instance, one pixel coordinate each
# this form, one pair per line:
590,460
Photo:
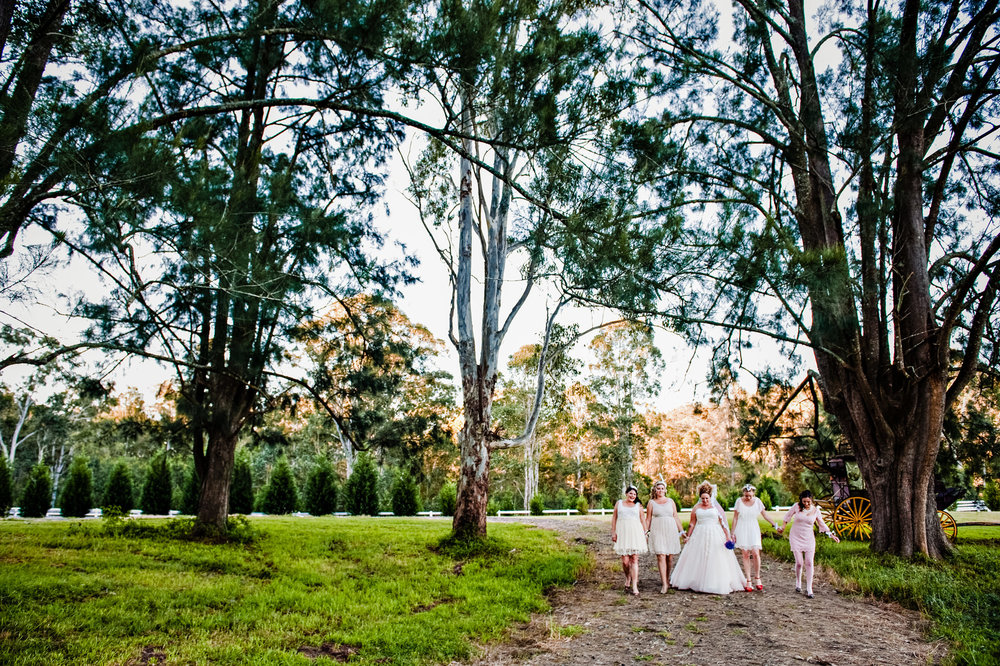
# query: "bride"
706,564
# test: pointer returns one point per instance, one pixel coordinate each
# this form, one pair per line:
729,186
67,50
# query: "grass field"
372,589
960,595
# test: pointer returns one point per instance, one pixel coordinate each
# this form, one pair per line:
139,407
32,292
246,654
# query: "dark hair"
636,492
804,494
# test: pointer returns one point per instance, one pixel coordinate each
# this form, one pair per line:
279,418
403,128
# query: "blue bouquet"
730,545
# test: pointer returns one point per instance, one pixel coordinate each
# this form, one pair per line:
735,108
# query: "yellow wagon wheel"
826,508
948,524
852,518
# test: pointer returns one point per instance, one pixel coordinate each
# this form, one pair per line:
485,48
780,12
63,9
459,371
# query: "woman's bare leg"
661,564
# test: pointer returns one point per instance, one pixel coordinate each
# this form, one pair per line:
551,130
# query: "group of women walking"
707,561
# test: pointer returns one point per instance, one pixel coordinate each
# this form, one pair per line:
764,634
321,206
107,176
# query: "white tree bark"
23,409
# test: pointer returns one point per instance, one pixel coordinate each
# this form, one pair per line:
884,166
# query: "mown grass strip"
960,595
376,590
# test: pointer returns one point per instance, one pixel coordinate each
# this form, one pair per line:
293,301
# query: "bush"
192,492
321,489
362,487
765,499
241,488
157,490
77,494
118,492
405,495
774,489
728,498
581,505
674,495
492,508
37,497
991,495
448,498
536,505
6,488
280,495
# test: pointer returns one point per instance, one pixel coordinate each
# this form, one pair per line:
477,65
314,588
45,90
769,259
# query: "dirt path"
594,622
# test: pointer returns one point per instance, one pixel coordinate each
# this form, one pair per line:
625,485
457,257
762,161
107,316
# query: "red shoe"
760,585
747,586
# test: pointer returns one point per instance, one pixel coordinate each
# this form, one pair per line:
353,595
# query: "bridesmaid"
663,526
628,537
746,532
804,513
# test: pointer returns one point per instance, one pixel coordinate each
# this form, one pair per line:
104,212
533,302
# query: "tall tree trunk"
891,415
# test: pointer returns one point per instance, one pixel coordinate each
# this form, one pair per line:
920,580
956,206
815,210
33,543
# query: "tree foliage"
118,492
361,489
6,487
405,495
281,494
321,489
37,496
77,492
241,489
157,488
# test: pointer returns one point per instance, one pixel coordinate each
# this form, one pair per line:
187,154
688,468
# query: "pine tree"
78,492
157,489
281,495
405,495
241,488
37,497
448,497
321,489
118,493
6,488
192,490
362,487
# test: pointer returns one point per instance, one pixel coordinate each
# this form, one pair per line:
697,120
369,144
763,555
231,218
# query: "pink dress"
800,536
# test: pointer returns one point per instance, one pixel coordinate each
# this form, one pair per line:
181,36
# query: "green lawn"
961,595
380,590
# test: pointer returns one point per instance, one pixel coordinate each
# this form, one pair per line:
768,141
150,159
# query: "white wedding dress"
705,564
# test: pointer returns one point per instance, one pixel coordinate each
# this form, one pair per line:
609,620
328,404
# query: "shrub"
118,492
492,508
321,489
581,505
37,497
448,498
362,487
728,498
280,495
674,495
991,495
77,493
765,499
775,490
6,488
192,492
157,490
241,488
536,505
405,495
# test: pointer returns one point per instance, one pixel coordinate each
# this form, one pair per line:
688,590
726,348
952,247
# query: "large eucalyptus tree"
535,90
850,156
